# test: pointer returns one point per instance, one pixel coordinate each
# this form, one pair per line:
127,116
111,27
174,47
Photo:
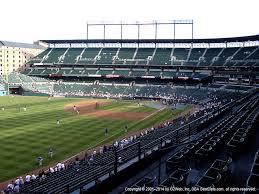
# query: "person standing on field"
40,159
106,131
50,152
126,128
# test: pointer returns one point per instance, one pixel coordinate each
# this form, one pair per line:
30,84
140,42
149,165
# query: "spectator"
10,186
62,166
17,181
27,178
21,183
42,175
77,162
51,170
33,177
59,166
16,188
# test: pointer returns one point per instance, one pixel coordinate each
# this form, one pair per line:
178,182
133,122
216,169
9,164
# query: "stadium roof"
212,40
20,45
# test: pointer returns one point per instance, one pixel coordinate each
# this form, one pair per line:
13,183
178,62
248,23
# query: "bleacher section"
83,88
107,56
252,181
54,56
119,72
212,57
144,53
125,54
225,56
72,54
39,57
180,54
196,53
162,57
207,160
89,56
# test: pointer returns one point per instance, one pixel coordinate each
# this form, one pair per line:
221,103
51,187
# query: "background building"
14,55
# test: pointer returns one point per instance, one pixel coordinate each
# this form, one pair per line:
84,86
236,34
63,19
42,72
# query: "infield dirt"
89,108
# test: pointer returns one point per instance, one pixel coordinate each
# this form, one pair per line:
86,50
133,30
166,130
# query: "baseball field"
30,125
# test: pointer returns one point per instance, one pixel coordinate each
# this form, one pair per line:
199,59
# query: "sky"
32,20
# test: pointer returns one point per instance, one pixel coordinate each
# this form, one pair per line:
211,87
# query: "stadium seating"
229,56
243,53
105,71
144,53
54,56
162,57
225,56
77,71
184,169
122,72
210,55
36,71
107,56
39,58
254,54
89,56
72,54
180,54
196,53
125,54
155,72
64,71
115,90
138,73
252,181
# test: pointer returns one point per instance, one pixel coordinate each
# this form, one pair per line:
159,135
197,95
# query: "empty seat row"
216,175
253,179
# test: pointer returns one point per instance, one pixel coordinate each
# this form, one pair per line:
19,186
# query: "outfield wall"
30,93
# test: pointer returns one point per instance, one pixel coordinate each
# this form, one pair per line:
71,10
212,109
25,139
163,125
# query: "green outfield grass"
25,135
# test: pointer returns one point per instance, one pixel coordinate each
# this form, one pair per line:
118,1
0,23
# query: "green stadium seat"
162,57
105,71
196,53
72,55
144,53
89,55
107,55
210,54
181,54
125,54
54,55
